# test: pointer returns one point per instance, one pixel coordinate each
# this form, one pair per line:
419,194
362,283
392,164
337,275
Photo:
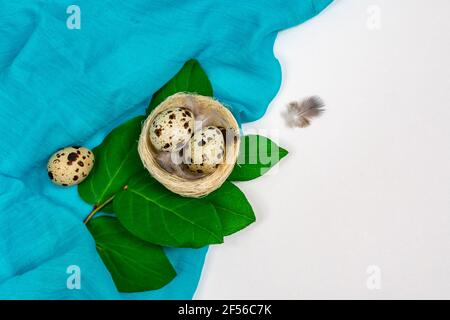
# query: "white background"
366,184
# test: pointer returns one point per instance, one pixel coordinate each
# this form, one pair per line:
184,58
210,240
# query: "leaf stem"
98,208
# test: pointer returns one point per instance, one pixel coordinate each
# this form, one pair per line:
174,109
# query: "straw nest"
222,118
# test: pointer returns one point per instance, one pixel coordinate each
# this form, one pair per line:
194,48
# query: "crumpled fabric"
62,87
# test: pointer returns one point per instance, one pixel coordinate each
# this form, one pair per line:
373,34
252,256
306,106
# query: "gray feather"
300,113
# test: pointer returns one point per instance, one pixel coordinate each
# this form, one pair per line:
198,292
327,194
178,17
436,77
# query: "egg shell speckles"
172,129
70,166
206,150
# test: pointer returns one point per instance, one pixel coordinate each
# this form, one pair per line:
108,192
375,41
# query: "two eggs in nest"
173,131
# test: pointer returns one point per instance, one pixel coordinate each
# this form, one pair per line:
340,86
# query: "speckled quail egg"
172,129
206,150
70,166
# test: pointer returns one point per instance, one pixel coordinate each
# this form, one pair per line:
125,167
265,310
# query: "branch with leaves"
145,216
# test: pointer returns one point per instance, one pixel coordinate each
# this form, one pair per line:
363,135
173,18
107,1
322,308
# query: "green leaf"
191,78
116,160
151,212
135,265
233,208
257,155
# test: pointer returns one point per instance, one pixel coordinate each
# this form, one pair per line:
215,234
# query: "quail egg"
172,129
70,166
206,150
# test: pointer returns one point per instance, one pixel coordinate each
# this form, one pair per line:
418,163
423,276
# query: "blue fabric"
61,87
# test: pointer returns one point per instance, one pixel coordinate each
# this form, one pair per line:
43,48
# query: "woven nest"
222,118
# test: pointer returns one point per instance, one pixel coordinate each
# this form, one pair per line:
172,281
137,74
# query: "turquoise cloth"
61,87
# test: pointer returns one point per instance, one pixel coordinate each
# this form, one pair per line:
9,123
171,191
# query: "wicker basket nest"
200,187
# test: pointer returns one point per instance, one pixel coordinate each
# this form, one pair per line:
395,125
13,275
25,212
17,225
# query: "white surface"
366,184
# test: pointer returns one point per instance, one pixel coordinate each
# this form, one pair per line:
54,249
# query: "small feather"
300,113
